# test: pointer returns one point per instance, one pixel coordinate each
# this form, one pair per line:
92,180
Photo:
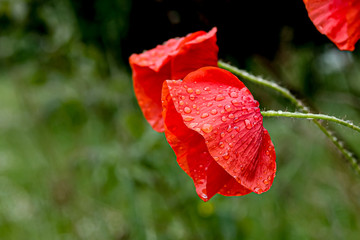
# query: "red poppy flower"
173,60
339,20
215,128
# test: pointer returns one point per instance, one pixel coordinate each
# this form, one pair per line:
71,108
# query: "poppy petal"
193,156
339,20
215,104
172,60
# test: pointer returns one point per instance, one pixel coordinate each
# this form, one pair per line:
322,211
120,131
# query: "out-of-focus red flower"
339,20
215,128
173,60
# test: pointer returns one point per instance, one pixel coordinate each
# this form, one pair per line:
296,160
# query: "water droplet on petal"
233,94
229,129
222,134
257,189
204,115
213,112
266,181
219,97
248,124
216,158
223,118
227,108
197,91
187,110
226,156
235,102
231,115
189,90
181,102
192,97
206,88
192,125
188,119
207,128
237,119
221,144
209,104
204,196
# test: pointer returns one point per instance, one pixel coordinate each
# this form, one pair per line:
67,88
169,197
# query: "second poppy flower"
339,20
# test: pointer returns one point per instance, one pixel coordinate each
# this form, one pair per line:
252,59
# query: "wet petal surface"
219,112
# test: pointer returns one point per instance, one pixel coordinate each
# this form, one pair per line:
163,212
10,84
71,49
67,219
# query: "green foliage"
78,160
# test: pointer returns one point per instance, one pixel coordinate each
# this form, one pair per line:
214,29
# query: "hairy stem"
349,156
310,116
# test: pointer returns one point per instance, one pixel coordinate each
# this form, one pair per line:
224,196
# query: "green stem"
349,156
311,116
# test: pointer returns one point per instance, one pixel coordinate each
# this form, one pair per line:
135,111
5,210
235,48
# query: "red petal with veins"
339,20
172,60
215,127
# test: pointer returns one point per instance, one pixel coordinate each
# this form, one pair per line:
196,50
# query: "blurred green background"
78,160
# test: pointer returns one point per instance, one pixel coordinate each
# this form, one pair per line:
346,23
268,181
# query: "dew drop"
223,118
229,129
182,97
194,106
266,181
204,196
204,115
235,102
197,91
206,88
207,128
213,112
233,94
187,110
181,102
188,119
222,134
256,189
221,144
227,108
232,136
192,125
219,97
209,104
189,90
248,124
226,156
231,115
192,97
216,158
